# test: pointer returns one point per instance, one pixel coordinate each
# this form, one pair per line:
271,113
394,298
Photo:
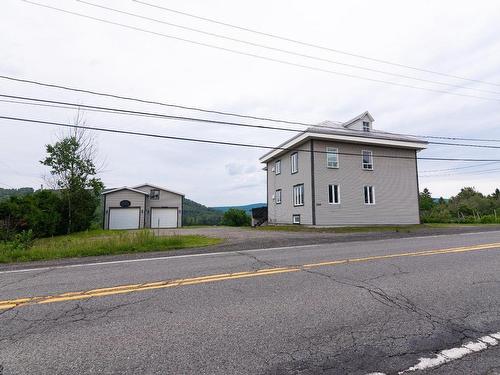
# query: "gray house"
142,206
344,174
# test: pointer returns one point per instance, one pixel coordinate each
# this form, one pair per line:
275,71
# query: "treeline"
198,214
5,193
46,213
469,206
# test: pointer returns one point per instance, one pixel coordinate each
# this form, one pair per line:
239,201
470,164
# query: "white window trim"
373,195
277,167
297,195
296,155
369,127
277,193
293,218
371,158
333,195
332,150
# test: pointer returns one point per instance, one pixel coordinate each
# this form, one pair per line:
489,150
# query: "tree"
236,218
426,201
39,213
72,160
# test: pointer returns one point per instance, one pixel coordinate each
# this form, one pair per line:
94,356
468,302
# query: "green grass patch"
100,242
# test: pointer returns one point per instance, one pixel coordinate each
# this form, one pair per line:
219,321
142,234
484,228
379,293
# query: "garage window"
154,194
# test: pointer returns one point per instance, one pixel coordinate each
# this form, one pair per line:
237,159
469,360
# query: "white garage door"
124,218
163,217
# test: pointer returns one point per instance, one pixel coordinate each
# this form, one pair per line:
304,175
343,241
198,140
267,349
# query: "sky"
453,37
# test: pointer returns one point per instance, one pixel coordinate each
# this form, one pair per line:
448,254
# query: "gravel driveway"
250,238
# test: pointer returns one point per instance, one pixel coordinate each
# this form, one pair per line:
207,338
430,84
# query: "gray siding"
167,199
394,181
112,200
282,213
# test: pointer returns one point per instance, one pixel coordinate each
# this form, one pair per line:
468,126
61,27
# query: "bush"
39,212
23,240
236,218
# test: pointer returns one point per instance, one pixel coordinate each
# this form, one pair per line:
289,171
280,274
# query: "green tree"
426,201
236,218
39,213
72,167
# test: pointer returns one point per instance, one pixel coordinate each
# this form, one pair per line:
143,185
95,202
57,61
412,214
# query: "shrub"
23,240
236,218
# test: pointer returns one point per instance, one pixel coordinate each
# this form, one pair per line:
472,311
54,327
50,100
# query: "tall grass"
96,243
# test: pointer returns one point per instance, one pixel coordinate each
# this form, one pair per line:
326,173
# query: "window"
332,157
296,219
277,196
369,193
367,157
366,126
298,195
154,194
277,167
333,194
294,161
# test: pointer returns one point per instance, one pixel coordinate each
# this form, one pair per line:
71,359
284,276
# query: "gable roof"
357,118
157,187
123,188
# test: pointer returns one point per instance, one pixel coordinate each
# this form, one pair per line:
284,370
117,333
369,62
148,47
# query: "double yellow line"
102,292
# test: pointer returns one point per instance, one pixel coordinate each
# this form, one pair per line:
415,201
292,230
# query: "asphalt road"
343,308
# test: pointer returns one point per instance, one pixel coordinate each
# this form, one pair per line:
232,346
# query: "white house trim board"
124,188
289,146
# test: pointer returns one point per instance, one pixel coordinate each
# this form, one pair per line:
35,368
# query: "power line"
315,45
259,56
464,173
285,50
61,104
225,143
452,169
147,101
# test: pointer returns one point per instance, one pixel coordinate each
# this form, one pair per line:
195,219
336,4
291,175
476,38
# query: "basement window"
296,219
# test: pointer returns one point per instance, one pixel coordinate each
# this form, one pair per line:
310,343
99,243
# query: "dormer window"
366,126
154,194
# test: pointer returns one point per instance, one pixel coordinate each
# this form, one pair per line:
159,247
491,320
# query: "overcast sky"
453,37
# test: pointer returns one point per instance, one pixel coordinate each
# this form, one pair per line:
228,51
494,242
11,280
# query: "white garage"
164,217
142,206
124,218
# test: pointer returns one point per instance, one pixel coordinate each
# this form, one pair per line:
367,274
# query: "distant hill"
198,214
247,208
436,200
4,193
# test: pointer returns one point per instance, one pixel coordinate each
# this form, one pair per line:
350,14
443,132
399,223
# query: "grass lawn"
376,228
100,242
